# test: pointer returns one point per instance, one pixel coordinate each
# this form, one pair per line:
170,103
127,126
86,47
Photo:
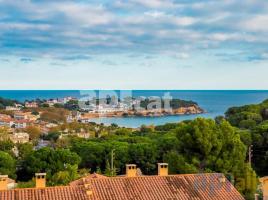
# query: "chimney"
88,189
40,180
162,169
264,185
131,170
222,179
3,182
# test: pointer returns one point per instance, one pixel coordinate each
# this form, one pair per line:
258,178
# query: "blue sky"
133,44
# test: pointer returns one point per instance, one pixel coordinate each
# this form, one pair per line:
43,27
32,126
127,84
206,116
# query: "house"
4,116
19,137
20,116
83,134
6,122
52,102
11,123
20,123
13,108
32,104
211,186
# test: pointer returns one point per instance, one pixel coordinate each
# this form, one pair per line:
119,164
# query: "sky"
133,44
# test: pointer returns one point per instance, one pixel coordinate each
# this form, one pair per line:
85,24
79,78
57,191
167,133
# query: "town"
38,115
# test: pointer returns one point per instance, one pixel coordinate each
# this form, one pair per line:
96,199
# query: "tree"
33,131
49,161
7,165
66,176
178,164
5,143
34,112
54,115
144,155
25,150
52,136
211,147
260,148
3,133
92,154
246,181
109,171
6,146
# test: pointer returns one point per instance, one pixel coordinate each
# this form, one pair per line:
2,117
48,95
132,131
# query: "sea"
214,102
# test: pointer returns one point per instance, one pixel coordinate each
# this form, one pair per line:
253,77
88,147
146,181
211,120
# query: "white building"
20,116
20,137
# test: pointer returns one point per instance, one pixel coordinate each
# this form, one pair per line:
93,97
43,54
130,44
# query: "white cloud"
24,26
155,3
183,55
155,14
256,23
184,21
85,14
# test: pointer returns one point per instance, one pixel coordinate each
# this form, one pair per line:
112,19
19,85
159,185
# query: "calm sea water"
214,102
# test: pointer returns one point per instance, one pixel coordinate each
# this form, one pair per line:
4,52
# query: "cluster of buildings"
20,120
35,104
18,107
52,102
131,186
16,124
104,108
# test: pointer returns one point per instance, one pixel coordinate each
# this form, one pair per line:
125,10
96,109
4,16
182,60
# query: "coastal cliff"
185,110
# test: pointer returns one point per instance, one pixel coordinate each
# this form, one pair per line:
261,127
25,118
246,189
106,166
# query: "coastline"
190,110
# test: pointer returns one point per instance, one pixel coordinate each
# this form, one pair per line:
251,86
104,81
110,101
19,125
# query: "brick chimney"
222,179
40,180
88,189
264,186
3,182
162,169
131,170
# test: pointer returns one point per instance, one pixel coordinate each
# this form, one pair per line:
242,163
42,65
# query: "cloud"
23,26
183,55
85,14
75,29
155,3
256,23
154,13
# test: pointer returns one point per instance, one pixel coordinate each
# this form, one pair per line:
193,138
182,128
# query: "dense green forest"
198,146
174,103
252,121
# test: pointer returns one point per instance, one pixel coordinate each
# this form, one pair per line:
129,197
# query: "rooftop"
97,187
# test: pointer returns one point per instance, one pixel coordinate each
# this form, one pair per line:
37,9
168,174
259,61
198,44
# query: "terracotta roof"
181,187
48,193
86,179
173,187
6,120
